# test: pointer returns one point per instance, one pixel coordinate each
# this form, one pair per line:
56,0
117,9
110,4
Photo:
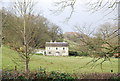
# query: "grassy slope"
72,45
7,56
63,64
0,57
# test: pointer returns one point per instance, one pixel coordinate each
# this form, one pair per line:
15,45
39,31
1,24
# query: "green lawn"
52,63
0,57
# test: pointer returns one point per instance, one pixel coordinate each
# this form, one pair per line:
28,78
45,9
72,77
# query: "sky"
79,18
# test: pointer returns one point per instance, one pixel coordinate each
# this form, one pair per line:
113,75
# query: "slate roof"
56,44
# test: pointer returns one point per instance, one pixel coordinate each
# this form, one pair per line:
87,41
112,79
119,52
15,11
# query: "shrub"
73,53
58,76
83,54
100,76
38,54
41,74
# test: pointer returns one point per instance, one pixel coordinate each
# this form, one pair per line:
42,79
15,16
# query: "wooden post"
15,68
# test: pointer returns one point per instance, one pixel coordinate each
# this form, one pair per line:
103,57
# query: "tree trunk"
26,65
25,42
26,59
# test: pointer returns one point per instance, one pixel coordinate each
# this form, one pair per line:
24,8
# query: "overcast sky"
79,17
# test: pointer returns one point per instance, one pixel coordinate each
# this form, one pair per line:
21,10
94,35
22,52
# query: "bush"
112,76
58,76
38,54
73,53
83,54
41,74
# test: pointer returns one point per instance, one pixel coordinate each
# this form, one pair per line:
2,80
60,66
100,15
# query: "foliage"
102,44
38,54
60,76
100,76
83,54
39,75
56,76
77,53
24,32
11,28
55,33
73,53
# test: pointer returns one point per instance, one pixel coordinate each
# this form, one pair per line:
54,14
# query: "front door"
57,53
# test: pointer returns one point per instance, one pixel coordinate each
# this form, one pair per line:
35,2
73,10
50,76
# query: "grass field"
52,63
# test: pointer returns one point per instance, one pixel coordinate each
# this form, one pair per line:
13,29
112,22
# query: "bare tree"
24,32
101,45
55,33
25,29
92,5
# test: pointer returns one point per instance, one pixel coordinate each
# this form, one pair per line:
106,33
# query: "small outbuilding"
40,51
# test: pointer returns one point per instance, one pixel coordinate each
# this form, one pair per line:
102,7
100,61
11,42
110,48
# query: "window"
63,48
56,48
49,52
49,48
57,52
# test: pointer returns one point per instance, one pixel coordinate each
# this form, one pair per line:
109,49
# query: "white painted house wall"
57,50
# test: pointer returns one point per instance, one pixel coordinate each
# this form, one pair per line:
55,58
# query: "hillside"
73,38
10,58
52,63
72,45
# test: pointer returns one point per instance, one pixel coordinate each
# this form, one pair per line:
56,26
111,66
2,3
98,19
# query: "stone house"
56,48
